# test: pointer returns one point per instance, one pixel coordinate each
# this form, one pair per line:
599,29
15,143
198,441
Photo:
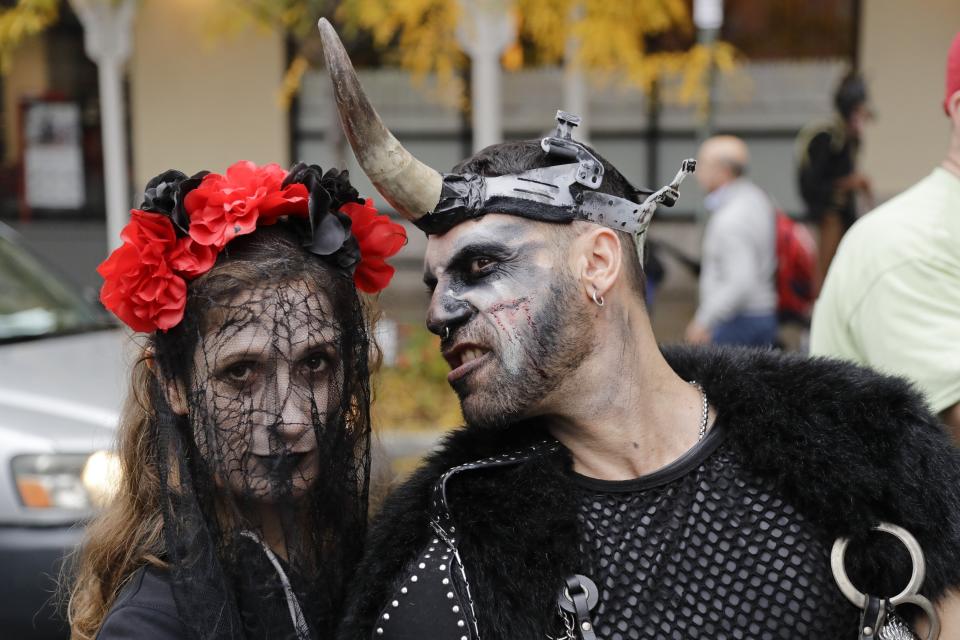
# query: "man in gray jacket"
738,298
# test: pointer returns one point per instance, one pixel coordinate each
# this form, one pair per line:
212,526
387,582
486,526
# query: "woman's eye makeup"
316,363
238,372
319,360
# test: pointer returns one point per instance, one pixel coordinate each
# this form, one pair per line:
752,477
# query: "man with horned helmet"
603,488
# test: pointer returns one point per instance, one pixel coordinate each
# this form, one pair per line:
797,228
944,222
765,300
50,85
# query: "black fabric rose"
329,228
165,194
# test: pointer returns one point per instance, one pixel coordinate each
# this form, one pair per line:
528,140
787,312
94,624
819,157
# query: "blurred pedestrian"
892,297
738,297
827,163
244,445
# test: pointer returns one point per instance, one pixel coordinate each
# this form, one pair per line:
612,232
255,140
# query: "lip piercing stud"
446,333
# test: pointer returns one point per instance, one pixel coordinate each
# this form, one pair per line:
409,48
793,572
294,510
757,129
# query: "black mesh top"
702,548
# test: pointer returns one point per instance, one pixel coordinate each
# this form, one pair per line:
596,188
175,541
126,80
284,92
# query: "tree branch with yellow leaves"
21,21
614,38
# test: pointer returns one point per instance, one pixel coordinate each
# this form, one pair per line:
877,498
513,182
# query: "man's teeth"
470,355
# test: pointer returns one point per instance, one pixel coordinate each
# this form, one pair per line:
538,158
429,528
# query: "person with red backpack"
738,292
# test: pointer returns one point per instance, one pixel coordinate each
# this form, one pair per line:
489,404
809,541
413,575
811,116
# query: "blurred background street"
98,96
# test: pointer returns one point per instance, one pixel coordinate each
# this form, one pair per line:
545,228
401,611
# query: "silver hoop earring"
597,299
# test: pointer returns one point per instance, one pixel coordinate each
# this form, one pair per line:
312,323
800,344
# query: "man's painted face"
507,310
267,375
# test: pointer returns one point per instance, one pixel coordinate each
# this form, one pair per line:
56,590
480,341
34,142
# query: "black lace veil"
263,427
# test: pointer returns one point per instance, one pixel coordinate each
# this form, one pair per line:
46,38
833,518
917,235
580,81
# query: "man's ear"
172,389
599,260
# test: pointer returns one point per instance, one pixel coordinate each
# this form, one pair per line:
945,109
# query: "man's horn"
410,186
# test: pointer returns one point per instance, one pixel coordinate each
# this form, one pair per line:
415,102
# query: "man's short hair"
850,94
518,156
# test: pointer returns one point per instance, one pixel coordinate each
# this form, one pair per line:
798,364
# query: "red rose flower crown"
184,223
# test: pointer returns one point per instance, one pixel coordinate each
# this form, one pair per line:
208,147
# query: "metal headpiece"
437,202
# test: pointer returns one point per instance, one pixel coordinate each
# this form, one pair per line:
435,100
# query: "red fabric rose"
191,259
226,206
144,282
378,238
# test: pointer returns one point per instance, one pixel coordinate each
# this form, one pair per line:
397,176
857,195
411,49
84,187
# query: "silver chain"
705,414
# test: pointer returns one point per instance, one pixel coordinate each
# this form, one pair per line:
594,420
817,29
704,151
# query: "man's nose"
447,314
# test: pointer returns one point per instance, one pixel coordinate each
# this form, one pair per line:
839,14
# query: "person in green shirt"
891,299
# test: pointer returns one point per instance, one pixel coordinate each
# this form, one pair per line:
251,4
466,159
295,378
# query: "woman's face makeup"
268,375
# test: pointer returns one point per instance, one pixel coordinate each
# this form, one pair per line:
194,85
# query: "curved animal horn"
410,186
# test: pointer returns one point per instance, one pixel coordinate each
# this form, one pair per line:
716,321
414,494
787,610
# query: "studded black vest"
700,548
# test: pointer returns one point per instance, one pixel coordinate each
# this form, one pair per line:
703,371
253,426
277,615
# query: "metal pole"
485,30
107,28
708,18
707,38
485,78
114,139
575,96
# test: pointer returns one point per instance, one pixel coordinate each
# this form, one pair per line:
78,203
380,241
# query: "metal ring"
857,597
446,332
597,299
589,587
932,618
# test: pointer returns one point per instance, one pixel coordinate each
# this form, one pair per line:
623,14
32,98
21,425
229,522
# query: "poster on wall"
53,155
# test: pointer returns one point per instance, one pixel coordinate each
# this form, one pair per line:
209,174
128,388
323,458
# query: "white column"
107,31
575,97
708,18
486,28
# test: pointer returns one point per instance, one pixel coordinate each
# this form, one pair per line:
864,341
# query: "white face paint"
265,373
501,287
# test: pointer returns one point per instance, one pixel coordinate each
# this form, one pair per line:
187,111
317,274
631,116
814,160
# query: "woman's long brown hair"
128,533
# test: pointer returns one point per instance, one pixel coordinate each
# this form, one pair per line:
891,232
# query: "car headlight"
66,481
101,477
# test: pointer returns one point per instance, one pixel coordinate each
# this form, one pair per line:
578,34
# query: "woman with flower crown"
244,444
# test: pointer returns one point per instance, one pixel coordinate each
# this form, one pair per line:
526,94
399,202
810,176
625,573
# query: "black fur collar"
847,446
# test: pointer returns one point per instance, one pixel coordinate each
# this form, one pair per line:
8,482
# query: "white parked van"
62,377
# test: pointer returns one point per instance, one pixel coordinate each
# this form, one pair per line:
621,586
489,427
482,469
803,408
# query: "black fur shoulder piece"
848,447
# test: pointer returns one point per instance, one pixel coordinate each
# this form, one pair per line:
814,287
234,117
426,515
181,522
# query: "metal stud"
413,578
395,603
